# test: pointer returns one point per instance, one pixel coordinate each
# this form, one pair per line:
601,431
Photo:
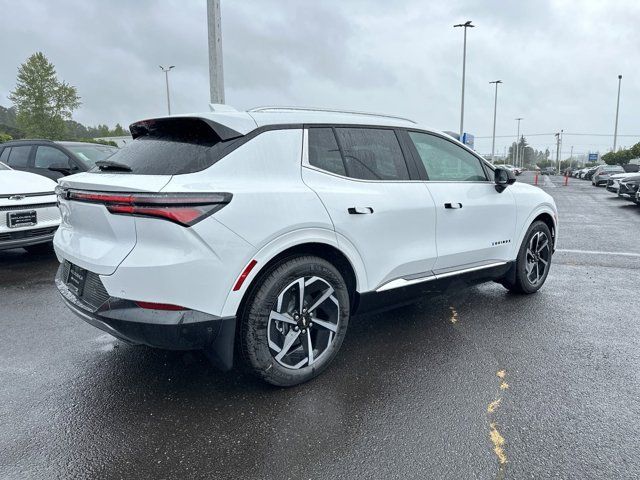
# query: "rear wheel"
534,260
40,248
295,321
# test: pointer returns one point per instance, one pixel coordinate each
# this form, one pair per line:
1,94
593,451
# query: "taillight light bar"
184,209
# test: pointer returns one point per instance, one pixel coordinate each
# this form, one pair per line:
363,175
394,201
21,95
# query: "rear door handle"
360,210
455,205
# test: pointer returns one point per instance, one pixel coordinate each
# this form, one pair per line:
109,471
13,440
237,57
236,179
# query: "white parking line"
598,252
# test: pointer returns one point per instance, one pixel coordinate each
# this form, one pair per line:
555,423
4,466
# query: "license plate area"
22,219
76,279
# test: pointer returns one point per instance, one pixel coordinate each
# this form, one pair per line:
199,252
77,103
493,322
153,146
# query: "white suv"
269,229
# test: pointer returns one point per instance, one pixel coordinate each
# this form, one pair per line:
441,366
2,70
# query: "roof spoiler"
146,127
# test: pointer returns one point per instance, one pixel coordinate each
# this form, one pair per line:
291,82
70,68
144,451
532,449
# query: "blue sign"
468,140
593,157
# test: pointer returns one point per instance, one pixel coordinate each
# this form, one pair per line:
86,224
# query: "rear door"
475,223
376,203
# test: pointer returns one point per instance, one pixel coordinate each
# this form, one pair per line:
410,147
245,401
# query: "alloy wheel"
303,322
537,258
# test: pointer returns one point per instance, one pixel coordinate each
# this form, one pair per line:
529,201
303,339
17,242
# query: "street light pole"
166,71
216,73
518,143
465,25
495,109
615,131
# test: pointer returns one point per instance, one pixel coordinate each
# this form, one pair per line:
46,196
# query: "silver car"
603,172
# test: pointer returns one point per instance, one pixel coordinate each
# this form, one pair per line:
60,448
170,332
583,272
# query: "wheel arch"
544,214
346,261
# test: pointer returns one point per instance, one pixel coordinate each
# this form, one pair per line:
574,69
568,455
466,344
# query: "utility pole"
216,72
558,143
615,130
166,71
571,157
465,25
495,109
517,160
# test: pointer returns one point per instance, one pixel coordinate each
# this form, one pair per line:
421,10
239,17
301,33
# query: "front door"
475,223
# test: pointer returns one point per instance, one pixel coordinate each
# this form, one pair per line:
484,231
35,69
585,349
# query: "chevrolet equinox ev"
258,235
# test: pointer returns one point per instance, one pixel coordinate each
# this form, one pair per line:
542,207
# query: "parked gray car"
603,172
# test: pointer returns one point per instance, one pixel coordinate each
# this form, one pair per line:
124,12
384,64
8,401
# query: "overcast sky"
559,60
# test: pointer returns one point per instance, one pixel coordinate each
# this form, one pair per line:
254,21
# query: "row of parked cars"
28,173
615,178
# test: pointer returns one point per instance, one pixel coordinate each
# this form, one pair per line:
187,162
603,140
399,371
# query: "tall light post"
216,73
495,109
615,131
166,71
465,25
518,143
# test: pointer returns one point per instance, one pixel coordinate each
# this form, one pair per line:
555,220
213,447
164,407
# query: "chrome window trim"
306,164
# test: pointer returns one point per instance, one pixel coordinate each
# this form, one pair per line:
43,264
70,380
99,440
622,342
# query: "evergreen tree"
42,102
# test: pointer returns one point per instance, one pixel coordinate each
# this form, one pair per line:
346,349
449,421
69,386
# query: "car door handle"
360,210
455,205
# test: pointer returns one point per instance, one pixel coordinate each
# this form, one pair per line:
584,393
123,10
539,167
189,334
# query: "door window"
49,156
372,154
19,156
4,156
446,161
324,152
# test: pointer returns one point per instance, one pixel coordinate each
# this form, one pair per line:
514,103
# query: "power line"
553,133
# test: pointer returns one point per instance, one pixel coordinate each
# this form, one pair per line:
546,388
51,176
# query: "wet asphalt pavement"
409,396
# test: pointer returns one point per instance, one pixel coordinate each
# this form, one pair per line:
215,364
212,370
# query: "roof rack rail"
31,140
312,109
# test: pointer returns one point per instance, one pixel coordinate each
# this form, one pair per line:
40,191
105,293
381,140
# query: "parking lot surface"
472,384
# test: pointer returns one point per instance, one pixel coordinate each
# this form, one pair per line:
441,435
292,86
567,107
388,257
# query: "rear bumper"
173,330
24,238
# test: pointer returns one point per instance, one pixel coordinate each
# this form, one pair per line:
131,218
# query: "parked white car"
29,214
272,227
613,182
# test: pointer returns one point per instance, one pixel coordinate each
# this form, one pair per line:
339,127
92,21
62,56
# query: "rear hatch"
99,208
89,235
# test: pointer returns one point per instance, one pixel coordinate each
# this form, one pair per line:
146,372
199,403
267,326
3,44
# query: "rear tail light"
184,209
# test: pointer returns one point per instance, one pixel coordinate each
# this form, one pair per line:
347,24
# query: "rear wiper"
109,165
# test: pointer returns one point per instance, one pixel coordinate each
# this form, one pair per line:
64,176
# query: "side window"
19,156
49,156
324,152
372,154
4,156
446,161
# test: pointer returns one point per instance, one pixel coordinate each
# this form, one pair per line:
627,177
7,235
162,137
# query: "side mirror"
503,179
61,168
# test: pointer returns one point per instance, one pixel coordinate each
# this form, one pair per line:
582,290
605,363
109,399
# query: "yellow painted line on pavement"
497,440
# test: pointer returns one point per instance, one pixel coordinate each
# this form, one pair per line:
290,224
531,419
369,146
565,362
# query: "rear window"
613,168
170,146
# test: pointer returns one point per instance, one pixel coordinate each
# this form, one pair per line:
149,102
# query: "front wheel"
534,260
294,321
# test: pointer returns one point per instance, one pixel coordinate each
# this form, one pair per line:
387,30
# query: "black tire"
40,248
521,282
255,352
